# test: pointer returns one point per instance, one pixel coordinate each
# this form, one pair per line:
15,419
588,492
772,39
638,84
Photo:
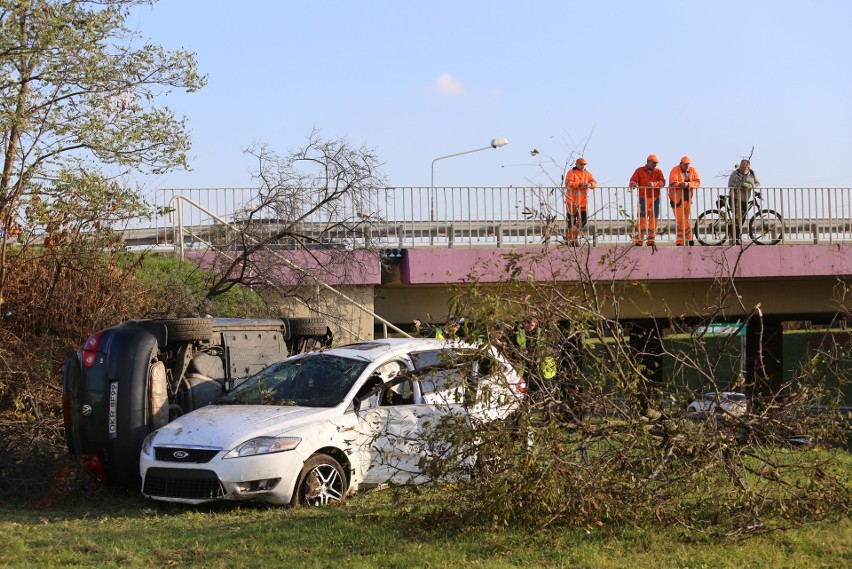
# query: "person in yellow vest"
533,348
449,331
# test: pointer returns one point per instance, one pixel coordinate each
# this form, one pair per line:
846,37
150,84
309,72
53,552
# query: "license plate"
113,410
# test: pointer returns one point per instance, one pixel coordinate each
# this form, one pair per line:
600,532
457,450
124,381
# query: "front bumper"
243,478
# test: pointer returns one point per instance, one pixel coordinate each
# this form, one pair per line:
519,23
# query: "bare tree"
314,207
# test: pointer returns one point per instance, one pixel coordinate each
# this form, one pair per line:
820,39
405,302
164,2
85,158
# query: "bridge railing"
408,217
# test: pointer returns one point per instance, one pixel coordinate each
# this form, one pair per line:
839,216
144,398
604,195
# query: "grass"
117,529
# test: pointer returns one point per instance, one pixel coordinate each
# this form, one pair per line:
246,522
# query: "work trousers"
682,210
576,218
649,211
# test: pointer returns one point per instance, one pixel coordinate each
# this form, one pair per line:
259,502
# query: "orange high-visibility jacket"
574,194
678,176
649,182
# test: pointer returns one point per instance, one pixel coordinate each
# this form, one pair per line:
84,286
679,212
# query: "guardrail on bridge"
408,217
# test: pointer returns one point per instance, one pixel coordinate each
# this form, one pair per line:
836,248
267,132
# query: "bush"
180,290
607,440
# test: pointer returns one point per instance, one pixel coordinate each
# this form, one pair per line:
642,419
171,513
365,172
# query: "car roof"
376,349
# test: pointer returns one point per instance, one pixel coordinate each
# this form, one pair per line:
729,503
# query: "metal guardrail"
410,217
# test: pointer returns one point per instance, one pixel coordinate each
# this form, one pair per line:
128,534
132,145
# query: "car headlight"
148,443
264,445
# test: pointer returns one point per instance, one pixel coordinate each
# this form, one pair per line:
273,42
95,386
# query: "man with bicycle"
683,180
741,182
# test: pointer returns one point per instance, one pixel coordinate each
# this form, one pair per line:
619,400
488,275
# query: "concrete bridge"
647,288
806,276
789,282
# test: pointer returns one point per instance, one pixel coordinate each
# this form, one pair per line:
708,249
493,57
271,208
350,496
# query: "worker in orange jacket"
578,182
649,179
683,180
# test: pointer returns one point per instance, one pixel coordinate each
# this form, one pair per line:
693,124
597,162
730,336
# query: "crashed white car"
314,427
728,401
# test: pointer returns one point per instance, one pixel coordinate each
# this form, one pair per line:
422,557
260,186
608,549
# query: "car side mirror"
356,404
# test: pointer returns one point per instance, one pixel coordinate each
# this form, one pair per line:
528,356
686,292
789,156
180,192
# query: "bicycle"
715,226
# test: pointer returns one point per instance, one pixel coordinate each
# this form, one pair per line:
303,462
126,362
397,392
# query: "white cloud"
448,85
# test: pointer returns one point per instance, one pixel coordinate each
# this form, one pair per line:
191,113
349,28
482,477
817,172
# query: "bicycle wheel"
711,227
766,227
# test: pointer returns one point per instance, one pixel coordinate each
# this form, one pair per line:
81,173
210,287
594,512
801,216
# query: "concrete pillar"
571,386
647,346
646,343
764,356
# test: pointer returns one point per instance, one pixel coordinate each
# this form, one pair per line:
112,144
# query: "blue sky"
613,80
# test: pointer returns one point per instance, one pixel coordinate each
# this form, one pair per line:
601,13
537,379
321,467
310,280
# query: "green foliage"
79,94
80,205
180,289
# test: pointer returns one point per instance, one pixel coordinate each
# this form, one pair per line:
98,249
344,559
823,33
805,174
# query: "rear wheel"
188,329
321,482
300,327
133,409
711,227
766,227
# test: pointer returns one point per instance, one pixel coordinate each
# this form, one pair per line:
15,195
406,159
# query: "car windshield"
315,380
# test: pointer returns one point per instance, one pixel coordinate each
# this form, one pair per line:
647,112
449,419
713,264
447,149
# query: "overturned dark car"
131,379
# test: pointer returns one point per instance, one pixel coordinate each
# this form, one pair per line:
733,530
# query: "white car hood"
225,426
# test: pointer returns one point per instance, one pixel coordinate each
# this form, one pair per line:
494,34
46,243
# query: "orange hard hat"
685,160
581,160
653,158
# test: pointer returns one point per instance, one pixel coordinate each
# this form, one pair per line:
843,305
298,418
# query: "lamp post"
495,143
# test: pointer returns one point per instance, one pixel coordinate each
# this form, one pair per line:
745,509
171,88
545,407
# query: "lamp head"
498,142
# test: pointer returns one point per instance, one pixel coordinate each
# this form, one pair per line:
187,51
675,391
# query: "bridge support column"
646,343
764,356
570,369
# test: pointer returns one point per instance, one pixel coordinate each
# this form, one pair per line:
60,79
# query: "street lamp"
495,143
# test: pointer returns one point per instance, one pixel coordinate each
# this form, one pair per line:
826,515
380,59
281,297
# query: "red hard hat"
653,158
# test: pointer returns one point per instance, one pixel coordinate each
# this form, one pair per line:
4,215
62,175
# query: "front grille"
181,483
194,455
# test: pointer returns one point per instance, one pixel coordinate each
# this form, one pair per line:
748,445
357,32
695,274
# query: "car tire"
321,482
188,329
134,420
301,327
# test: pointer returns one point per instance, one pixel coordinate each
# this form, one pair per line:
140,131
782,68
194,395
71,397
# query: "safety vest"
547,365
